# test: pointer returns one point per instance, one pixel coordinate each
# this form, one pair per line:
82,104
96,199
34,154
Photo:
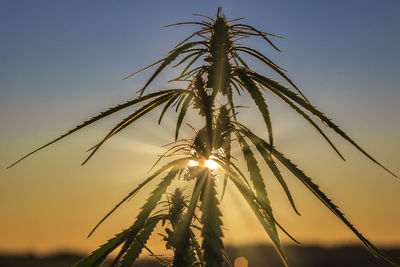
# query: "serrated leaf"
129,120
227,149
100,116
259,33
136,247
323,198
190,64
99,255
156,195
306,117
140,186
150,205
197,53
270,64
230,101
328,203
132,232
274,86
255,175
271,164
255,93
182,229
169,103
221,127
211,221
167,60
182,114
195,244
267,222
189,37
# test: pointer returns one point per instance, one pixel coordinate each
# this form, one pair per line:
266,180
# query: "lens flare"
193,163
211,164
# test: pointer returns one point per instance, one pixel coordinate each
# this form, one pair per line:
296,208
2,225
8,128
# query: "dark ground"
257,256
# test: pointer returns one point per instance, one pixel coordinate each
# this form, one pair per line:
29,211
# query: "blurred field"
257,256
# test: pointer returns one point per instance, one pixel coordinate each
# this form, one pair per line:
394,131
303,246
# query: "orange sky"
51,203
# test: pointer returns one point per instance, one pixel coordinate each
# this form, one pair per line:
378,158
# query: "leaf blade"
272,85
182,114
259,100
98,117
211,221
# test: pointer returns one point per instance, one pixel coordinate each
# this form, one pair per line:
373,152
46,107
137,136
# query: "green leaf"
169,103
189,37
190,64
211,221
261,57
171,151
132,237
139,71
230,101
327,202
261,34
305,116
236,55
247,191
255,93
271,164
221,127
236,84
255,174
197,53
182,229
144,213
229,164
136,247
129,120
270,64
267,222
152,201
227,149
99,255
206,25
323,198
224,186
182,114
102,115
140,186
195,244
226,258
205,103
167,60
155,196
274,86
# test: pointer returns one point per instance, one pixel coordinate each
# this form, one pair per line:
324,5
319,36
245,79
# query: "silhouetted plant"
212,89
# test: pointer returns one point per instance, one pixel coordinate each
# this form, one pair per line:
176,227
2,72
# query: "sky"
63,61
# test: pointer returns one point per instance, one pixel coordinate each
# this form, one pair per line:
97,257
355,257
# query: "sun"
211,164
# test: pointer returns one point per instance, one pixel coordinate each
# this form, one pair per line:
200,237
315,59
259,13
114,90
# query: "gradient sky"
62,62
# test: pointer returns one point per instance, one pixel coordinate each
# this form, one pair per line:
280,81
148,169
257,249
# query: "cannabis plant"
215,75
